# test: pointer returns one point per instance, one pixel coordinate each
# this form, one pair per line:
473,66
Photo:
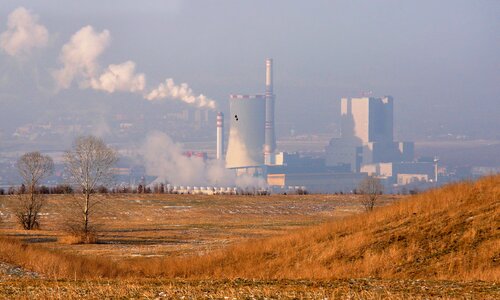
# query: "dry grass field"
152,225
444,244
364,288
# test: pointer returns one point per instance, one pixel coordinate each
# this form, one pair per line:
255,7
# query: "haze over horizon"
439,60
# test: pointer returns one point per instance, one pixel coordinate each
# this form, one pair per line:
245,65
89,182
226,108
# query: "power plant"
252,141
365,147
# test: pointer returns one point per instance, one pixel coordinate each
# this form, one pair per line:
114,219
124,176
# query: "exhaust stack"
220,135
270,139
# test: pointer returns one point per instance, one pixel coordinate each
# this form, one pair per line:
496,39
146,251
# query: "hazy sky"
439,59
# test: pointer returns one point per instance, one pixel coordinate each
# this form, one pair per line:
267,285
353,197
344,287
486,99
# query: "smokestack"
270,140
220,135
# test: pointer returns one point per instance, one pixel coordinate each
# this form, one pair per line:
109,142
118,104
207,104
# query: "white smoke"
120,77
79,57
23,33
182,92
164,158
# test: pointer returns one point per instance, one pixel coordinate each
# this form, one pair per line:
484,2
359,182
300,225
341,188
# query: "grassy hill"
448,233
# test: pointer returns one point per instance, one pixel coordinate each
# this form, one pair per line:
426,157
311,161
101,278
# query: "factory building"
366,145
366,135
251,147
367,120
317,182
293,169
401,172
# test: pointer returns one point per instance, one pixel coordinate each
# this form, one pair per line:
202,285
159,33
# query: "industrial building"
251,147
366,146
366,135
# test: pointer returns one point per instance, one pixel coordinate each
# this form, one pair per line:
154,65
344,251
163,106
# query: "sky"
439,59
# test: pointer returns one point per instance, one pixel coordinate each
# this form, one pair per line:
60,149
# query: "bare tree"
371,188
32,167
89,164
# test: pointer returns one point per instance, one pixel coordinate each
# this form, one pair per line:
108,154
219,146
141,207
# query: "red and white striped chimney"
220,135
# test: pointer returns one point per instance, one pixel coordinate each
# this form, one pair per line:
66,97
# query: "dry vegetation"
159,225
246,289
451,233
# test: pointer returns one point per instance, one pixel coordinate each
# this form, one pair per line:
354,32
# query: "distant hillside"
448,233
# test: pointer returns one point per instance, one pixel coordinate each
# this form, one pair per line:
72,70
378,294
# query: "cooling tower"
246,132
270,140
220,135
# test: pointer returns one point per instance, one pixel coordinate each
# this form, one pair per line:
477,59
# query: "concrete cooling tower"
247,130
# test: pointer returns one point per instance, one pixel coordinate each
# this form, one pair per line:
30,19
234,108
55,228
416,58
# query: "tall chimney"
270,140
220,135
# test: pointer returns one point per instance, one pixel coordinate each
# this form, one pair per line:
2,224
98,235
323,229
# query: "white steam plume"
79,57
182,92
23,33
164,158
120,77
80,62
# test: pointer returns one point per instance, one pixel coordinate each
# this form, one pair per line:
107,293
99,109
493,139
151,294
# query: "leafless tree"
89,164
32,167
371,188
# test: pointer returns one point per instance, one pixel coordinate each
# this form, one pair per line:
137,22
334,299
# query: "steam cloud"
164,158
120,77
23,33
183,92
80,62
79,57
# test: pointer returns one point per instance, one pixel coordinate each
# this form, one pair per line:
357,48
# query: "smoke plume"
182,92
23,33
120,77
164,158
79,57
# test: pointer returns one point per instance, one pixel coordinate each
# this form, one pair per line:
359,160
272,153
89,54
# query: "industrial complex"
366,147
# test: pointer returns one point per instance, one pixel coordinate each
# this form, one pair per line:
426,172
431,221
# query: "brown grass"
57,264
77,239
246,289
131,225
448,233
